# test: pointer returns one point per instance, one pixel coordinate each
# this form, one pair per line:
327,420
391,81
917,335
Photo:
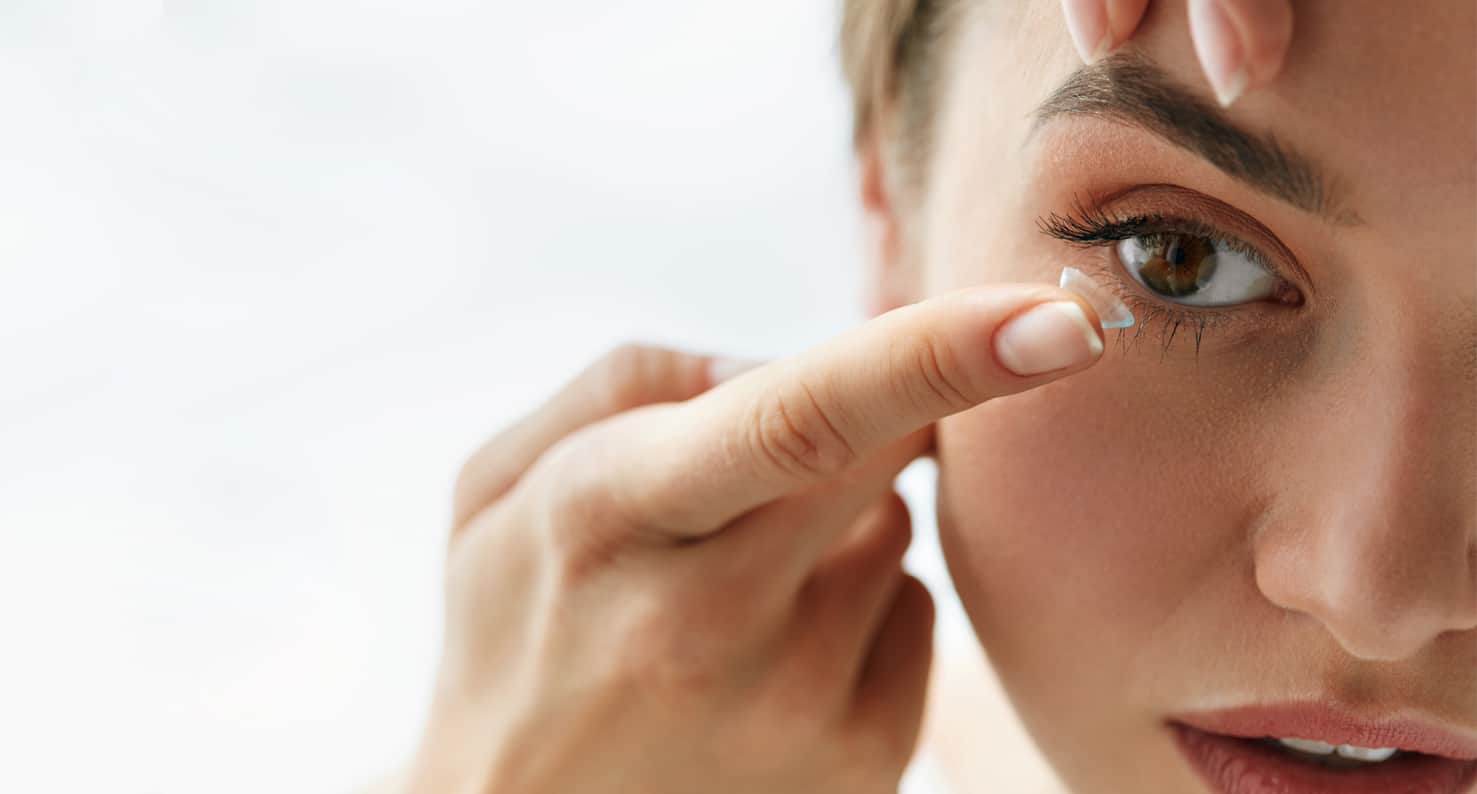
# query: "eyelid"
1101,229
1221,219
1105,221
1178,210
1149,311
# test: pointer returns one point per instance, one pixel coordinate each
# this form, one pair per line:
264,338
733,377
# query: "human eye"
1180,257
1195,269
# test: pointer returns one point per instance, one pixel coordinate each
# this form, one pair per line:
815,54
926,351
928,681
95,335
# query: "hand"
662,586
1241,43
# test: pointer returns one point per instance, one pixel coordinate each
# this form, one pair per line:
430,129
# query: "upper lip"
1335,725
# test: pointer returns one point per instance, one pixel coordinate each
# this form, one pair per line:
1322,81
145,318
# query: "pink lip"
1334,726
1229,765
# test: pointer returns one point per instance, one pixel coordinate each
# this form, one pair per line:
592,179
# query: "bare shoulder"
973,736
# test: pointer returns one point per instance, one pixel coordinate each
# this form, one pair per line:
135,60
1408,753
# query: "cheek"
1079,520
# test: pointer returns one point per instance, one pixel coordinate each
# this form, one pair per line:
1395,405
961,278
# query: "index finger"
799,420
1099,26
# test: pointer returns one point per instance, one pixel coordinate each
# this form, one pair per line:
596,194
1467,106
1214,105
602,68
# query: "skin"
1241,44
661,581
1291,514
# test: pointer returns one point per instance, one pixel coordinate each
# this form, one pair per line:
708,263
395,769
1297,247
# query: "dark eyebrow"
1129,88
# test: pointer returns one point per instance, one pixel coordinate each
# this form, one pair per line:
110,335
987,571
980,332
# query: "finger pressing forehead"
802,419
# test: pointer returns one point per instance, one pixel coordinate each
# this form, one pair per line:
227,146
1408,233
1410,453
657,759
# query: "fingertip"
1241,44
1097,27
1124,17
1219,49
1087,23
1054,337
1265,28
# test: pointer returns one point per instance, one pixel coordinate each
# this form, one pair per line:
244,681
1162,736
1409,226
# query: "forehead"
1382,95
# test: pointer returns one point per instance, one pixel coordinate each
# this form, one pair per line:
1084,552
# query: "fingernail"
1100,51
721,368
1231,90
1047,337
1220,50
1091,43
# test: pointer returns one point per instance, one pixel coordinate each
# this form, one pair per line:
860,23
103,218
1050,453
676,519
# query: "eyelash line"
1093,227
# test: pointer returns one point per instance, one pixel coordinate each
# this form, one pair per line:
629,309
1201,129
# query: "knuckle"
468,489
893,508
882,537
562,472
918,601
574,503
939,381
621,375
584,515
486,474
467,486
793,432
895,533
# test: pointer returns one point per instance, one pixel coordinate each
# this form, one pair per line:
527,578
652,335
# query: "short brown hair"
891,57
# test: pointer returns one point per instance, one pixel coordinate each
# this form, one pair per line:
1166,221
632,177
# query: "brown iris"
1174,264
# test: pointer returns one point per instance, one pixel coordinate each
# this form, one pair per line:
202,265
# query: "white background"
271,269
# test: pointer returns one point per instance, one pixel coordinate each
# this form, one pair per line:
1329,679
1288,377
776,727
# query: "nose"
1375,533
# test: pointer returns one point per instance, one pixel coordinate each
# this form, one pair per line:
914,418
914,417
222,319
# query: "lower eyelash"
1093,227
1148,312
1169,328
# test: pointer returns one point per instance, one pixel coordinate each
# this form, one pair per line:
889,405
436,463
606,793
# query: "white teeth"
1372,755
1309,746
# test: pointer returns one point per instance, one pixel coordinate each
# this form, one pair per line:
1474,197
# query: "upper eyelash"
1090,227
1093,227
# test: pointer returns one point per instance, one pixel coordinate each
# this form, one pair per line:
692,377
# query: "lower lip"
1242,766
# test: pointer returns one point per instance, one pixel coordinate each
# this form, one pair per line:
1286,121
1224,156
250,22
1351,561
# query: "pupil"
1175,254
1176,265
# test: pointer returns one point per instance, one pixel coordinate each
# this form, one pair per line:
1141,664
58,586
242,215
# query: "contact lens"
1109,309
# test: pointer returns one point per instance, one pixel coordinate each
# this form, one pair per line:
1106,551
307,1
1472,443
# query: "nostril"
1383,586
1383,642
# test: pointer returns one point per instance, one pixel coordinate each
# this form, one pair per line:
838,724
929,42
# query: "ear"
889,282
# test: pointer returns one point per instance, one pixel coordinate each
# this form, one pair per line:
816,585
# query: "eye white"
1235,279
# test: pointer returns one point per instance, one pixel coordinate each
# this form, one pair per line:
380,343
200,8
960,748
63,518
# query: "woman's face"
1270,501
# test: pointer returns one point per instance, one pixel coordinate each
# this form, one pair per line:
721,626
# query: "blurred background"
272,269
